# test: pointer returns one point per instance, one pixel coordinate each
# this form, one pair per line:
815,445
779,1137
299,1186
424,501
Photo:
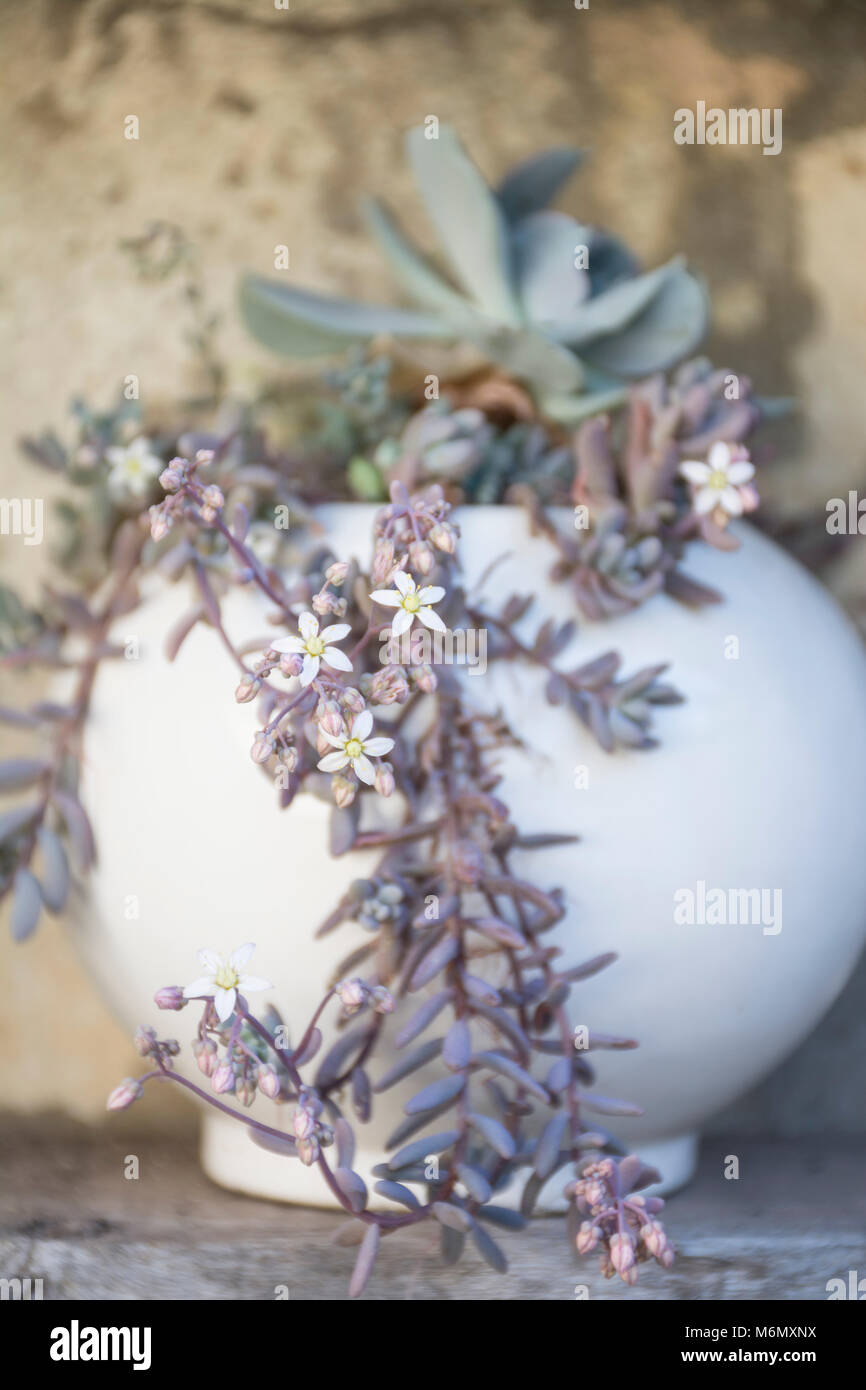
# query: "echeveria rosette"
525,300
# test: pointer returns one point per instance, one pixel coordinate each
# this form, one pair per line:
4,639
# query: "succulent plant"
557,304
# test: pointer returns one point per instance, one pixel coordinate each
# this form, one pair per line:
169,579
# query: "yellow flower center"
718,480
315,646
354,748
411,603
227,977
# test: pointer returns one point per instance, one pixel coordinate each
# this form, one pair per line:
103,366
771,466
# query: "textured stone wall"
260,126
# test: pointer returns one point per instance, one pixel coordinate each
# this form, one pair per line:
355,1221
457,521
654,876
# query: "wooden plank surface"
795,1218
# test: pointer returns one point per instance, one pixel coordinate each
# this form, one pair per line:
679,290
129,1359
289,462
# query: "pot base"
231,1159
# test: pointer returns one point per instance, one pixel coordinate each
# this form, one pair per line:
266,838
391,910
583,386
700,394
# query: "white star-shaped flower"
133,468
315,646
717,482
224,978
412,602
356,747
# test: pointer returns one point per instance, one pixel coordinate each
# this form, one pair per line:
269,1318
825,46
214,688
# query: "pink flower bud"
160,522
383,562
304,1124
426,679
203,457
621,1252
382,1000
323,604
223,1079
330,719
587,1237
308,1151
384,779
269,1082
171,478
352,994
444,537
213,498
245,1091
262,748
170,997
247,690
124,1094
144,1040
205,1052
336,573
389,686
289,757
353,700
343,790
291,663
421,557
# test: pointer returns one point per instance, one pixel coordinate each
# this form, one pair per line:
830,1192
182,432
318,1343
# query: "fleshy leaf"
298,323
411,268
468,219
535,182
551,286
669,329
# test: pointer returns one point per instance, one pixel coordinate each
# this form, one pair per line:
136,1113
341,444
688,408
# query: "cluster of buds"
356,994
311,1133
325,602
238,1073
621,1221
380,902
147,1044
410,531
178,480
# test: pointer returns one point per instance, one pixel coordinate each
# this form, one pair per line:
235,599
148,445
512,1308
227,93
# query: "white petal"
253,983
431,594
211,960
364,770
336,659
115,456
287,644
378,747
203,986
389,598
332,762
224,1002
362,725
335,742
309,670
405,583
731,501
402,623
241,955
706,500
741,471
336,632
430,618
719,456
696,472
308,626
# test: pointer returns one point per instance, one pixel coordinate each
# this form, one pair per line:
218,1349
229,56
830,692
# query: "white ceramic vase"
748,790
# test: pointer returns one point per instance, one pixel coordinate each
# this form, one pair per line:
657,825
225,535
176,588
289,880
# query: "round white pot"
745,793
